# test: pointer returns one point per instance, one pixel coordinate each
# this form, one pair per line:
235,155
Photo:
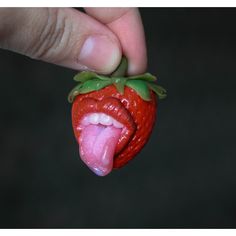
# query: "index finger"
127,25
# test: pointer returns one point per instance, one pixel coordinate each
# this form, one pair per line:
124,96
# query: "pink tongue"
97,147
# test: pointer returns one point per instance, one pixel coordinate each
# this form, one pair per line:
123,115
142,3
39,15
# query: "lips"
104,128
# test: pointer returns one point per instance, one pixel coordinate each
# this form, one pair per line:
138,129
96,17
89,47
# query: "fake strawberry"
113,116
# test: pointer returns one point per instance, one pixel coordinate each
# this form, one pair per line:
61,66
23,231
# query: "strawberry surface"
136,114
113,116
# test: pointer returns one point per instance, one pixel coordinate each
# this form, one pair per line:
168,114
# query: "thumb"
62,36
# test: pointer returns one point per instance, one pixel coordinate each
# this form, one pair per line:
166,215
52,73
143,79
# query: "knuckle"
52,37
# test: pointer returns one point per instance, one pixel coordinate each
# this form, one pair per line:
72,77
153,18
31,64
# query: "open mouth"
103,129
100,134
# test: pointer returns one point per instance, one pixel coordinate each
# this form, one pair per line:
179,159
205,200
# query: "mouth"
103,130
99,137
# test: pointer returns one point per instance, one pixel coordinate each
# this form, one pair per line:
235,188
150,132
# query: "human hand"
67,37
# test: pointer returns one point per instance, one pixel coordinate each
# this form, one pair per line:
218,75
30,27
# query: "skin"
94,40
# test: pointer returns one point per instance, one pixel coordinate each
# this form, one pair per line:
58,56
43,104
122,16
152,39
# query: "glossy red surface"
130,109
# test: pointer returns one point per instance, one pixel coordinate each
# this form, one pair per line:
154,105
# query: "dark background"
184,177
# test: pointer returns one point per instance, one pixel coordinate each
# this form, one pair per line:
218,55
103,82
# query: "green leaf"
140,87
74,92
142,84
119,84
94,84
84,76
146,76
88,75
160,91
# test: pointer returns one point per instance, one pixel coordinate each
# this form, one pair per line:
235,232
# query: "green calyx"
142,84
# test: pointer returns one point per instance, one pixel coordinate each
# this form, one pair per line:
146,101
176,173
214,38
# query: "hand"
67,37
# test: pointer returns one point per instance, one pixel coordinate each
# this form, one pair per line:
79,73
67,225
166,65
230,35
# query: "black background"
184,177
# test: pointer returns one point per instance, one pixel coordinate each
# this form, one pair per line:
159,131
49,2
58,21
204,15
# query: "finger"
126,23
62,36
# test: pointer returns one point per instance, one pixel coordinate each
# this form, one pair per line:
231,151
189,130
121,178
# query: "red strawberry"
113,117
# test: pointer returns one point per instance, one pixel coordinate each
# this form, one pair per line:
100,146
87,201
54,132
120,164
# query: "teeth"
105,119
101,118
94,118
86,120
117,124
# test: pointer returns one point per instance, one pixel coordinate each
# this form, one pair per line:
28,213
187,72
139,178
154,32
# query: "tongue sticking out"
97,147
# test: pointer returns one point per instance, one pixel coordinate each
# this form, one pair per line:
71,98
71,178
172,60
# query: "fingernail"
100,53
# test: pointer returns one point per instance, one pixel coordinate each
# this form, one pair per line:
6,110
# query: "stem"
121,69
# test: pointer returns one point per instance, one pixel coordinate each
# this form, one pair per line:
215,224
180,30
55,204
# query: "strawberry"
113,117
